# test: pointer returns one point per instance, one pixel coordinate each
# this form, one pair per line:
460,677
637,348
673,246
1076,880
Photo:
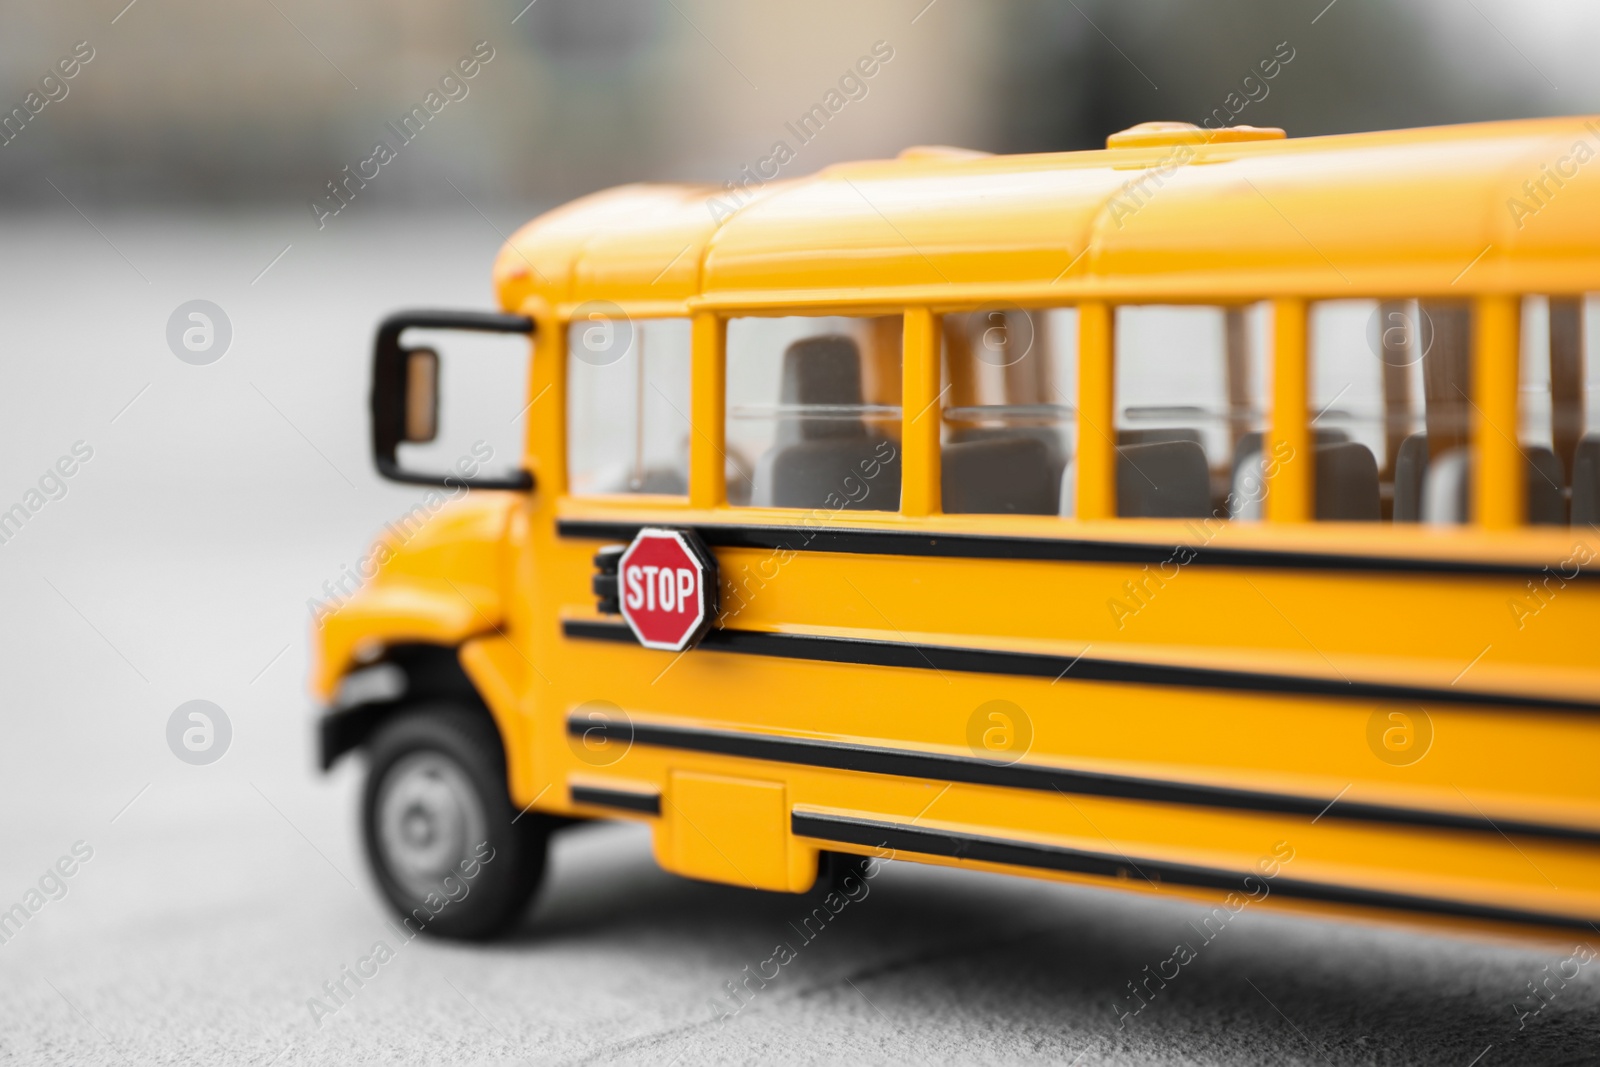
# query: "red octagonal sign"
667,585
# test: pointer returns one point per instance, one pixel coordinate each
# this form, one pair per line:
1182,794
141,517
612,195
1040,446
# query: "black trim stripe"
970,770
986,546
622,799
867,833
860,651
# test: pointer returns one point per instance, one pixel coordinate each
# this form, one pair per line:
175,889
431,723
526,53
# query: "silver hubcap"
429,821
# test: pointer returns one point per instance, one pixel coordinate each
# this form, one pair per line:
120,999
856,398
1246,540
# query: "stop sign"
666,583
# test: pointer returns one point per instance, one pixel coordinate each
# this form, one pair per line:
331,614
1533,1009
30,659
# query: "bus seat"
1447,488
1163,480
1410,465
1250,441
1002,475
1546,502
1069,489
1586,482
821,462
1046,435
830,474
663,480
1249,484
1249,449
1158,436
1347,483
820,371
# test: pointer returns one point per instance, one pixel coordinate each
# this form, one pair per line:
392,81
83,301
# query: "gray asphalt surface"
218,899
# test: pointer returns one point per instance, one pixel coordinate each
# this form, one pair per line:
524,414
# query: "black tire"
450,852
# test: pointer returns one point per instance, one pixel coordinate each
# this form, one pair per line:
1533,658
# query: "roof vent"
941,151
1157,134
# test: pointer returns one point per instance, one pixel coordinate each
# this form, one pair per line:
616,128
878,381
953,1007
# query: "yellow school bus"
1210,515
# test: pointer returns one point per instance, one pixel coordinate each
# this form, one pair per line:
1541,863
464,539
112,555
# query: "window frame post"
708,365
1097,380
1291,460
1499,493
921,414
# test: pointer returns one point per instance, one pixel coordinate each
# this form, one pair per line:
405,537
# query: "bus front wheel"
450,852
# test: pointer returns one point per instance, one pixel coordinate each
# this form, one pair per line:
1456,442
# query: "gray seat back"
840,473
826,460
1003,475
1447,489
1586,482
1347,484
1158,436
1048,436
1249,487
1251,444
820,372
1547,505
1410,464
1163,480
1247,450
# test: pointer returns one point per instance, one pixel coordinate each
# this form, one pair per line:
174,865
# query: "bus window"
814,412
1550,371
1586,453
1365,390
1191,383
1009,400
1541,350
1391,410
1559,411
627,405
1395,377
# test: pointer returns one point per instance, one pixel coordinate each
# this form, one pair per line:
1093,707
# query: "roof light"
1156,134
941,151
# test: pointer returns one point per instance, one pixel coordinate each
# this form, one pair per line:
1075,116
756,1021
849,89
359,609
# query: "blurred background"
182,160
258,104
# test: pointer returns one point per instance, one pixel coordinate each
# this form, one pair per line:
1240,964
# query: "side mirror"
405,392
422,395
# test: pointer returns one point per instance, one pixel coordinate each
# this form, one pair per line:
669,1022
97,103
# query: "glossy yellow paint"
708,468
1097,379
438,579
704,813
1399,214
1290,478
1498,486
919,469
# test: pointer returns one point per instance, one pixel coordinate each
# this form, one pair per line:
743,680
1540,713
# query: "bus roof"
1494,207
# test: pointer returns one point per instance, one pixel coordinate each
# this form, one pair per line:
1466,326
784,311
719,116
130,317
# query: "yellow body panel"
439,581
1226,677
732,830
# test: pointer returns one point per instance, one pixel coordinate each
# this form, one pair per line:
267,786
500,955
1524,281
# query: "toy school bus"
1210,515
